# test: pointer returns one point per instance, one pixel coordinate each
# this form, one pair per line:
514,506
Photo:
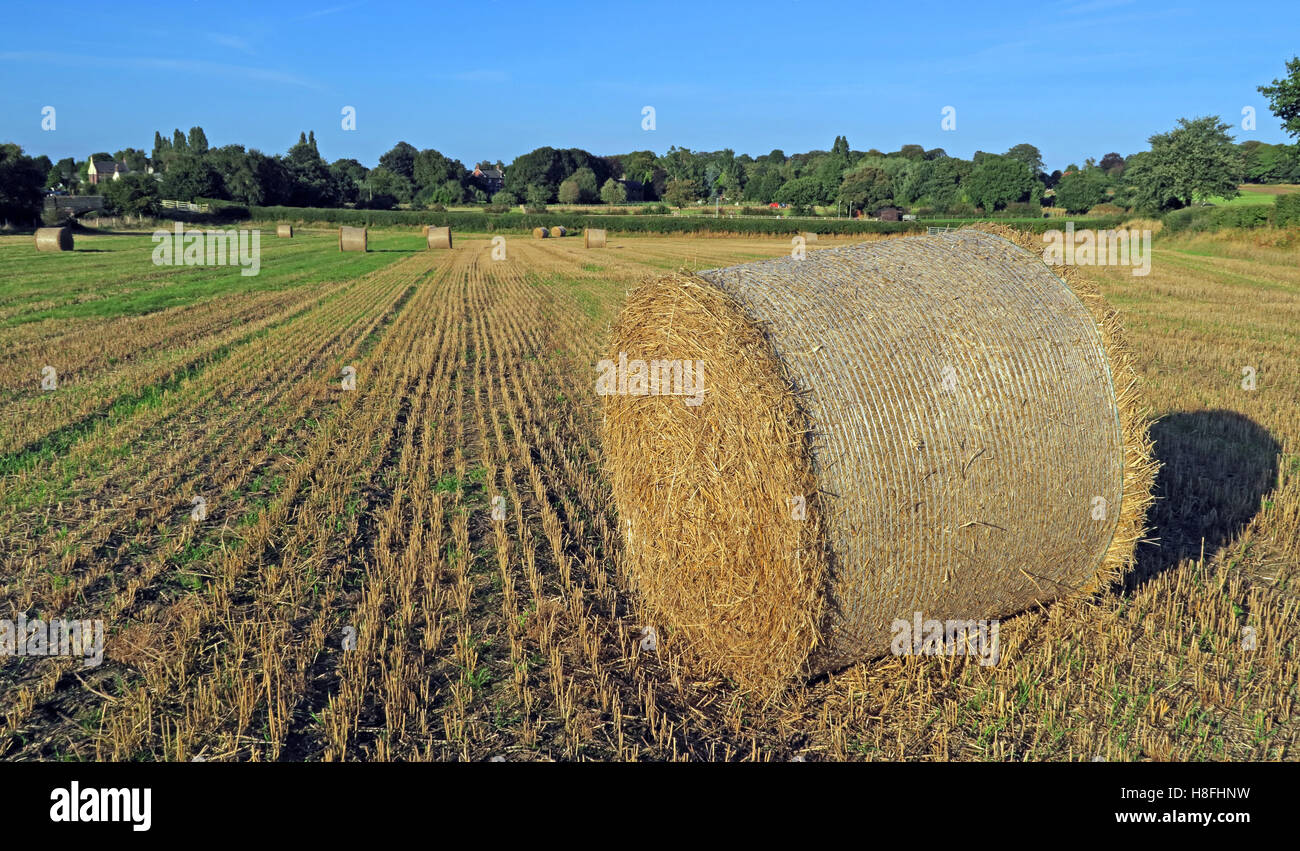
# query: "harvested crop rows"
427,566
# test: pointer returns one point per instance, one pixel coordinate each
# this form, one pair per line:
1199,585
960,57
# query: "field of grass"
427,566
1255,194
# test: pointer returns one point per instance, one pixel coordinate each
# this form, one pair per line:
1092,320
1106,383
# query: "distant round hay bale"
54,239
593,238
439,237
935,424
808,236
540,233
559,230
284,231
352,239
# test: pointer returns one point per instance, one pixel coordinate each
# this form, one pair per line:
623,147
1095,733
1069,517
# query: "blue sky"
492,80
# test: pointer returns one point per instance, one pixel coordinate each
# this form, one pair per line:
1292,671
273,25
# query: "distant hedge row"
1285,212
486,222
475,222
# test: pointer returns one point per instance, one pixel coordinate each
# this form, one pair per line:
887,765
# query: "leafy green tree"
681,164
1027,154
134,158
134,194
997,181
22,182
729,186
190,178
1266,163
829,174
198,141
1284,97
431,169
1112,164
238,182
800,192
537,197
401,161
505,198
548,168
384,181
588,189
347,177
613,192
179,144
309,176
450,192
866,189
681,192
62,173
763,183
1081,191
936,182
1193,162
569,193
272,177
640,166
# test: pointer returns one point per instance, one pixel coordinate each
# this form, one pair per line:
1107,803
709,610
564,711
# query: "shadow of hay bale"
1215,468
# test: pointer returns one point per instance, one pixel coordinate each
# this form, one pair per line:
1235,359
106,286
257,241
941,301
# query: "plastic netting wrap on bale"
54,239
352,239
803,451
559,230
593,238
439,238
284,231
540,233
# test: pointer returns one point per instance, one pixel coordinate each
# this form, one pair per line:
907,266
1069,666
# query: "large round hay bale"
439,237
352,239
559,230
54,239
540,233
593,238
935,424
284,231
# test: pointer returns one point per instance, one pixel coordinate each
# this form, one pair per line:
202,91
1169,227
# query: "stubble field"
427,567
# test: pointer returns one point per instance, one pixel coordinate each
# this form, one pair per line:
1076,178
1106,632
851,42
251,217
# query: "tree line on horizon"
1196,160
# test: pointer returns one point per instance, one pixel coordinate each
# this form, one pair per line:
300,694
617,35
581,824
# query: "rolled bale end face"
54,239
541,233
593,237
284,231
352,239
925,424
439,237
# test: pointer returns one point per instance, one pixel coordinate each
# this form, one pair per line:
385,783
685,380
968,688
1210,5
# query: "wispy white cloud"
328,10
187,66
233,42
